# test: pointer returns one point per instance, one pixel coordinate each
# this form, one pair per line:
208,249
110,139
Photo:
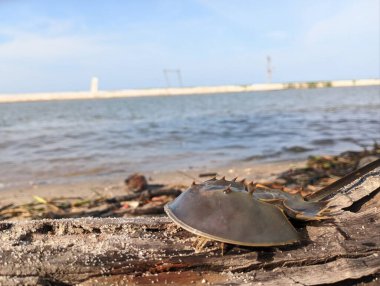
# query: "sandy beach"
115,186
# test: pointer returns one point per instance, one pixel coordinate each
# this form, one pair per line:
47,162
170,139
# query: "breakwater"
182,90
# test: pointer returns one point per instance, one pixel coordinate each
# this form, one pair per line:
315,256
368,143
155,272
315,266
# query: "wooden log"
146,250
152,250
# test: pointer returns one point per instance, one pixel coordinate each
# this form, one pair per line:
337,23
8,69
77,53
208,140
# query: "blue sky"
60,45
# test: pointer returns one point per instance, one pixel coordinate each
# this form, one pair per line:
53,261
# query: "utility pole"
269,69
167,72
166,78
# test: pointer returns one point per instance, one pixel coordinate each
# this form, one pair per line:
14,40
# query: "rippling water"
65,140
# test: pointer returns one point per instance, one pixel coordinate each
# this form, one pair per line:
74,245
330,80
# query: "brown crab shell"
230,215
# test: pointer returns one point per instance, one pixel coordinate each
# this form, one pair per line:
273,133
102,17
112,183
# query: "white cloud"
55,42
343,45
57,58
43,54
356,20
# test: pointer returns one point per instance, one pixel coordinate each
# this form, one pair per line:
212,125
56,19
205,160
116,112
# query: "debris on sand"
321,171
136,183
148,199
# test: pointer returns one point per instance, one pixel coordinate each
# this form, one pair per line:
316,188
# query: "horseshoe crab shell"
224,211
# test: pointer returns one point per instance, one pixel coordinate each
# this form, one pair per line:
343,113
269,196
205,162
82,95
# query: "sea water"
80,139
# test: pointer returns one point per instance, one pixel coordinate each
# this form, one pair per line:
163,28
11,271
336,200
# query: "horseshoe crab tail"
331,190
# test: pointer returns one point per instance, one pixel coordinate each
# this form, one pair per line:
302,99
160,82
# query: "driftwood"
148,203
152,250
147,194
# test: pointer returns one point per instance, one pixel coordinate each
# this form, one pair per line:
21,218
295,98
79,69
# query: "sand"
114,186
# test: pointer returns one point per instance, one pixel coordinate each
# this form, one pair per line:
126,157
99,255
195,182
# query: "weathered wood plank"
142,250
146,250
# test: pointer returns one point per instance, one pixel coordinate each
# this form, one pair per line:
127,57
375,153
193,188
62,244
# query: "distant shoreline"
8,98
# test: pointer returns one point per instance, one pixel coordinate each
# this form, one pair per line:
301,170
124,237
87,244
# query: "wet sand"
114,186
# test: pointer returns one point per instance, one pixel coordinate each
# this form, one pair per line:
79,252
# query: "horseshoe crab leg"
200,243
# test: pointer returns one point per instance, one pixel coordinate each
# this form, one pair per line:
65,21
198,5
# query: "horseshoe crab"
227,211
253,215
243,214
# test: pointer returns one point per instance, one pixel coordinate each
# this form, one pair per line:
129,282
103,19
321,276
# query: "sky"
60,45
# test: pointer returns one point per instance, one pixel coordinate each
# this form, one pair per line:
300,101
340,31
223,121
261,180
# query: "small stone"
136,183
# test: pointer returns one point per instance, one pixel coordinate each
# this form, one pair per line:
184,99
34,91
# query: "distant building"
94,85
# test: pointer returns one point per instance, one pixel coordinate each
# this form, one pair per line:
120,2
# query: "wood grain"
152,250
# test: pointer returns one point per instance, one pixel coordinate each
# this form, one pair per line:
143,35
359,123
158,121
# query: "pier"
94,93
